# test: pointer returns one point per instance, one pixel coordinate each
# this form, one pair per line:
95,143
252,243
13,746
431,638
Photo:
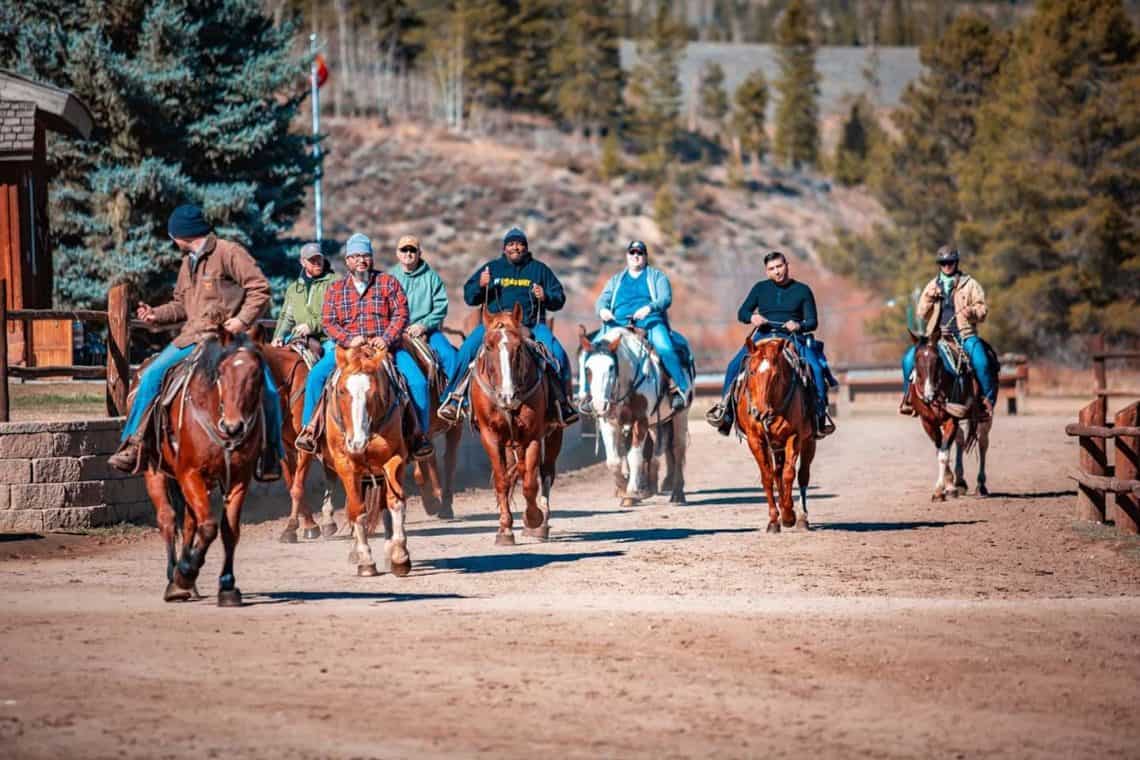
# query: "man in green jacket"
427,300
301,312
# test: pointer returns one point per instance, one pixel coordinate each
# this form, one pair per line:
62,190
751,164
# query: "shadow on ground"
635,535
366,596
493,563
876,527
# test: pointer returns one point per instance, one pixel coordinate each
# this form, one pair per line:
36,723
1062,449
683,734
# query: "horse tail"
971,434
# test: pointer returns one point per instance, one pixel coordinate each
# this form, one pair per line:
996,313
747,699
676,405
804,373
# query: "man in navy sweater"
513,278
784,307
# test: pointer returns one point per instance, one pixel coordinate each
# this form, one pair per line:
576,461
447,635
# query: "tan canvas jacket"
969,305
226,276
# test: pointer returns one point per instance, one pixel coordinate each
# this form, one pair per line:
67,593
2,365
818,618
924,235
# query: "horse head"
362,393
504,364
929,375
234,365
600,374
769,377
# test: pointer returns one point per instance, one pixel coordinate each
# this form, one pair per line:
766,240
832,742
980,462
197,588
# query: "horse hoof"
504,539
938,497
542,532
401,569
678,499
367,571
983,491
229,598
194,595
962,486
953,493
630,501
175,594
802,524
313,532
445,513
288,536
774,527
328,530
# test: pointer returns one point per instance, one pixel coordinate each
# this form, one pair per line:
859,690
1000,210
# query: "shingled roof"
23,101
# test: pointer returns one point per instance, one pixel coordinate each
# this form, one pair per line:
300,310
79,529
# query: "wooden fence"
1096,476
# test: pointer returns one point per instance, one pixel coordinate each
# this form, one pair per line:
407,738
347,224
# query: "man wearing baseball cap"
304,298
427,300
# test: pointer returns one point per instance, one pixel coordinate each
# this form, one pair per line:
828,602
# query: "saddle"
308,348
397,381
156,423
966,389
428,362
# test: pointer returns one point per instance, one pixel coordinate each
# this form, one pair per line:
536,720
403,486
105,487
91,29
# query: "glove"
642,313
606,315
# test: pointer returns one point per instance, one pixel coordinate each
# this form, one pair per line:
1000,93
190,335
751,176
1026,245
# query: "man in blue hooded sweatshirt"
427,300
514,278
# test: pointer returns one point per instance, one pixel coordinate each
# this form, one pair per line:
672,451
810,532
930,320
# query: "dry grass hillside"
460,194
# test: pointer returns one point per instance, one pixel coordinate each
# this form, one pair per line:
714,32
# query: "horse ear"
583,341
936,334
615,344
915,337
517,313
751,345
341,355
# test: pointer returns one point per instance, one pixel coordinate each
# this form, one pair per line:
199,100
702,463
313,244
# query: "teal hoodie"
427,295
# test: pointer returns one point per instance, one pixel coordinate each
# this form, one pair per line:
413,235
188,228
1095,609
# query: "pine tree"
586,66
610,165
654,92
713,98
665,211
749,112
797,115
192,102
858,137
533,29
1050,186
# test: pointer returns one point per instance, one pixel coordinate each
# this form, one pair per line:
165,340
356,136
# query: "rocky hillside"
459,195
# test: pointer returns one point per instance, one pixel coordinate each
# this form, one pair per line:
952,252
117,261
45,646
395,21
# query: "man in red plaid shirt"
370,307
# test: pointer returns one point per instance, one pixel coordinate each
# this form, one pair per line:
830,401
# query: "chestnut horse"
365,443
290,372
512,400
437,488
774,414
931,390
214,438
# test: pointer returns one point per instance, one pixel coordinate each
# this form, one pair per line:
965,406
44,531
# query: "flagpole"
316,98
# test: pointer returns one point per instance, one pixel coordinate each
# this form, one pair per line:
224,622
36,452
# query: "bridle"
393,401
504,402
614,372
227,443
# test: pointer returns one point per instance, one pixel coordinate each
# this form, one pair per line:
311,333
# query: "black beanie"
514,234
187,222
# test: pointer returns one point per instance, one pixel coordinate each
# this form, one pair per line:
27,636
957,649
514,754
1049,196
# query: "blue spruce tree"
192,101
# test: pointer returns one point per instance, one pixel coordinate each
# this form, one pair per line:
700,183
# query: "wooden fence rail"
1096,477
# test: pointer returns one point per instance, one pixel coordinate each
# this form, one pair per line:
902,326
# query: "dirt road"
897,628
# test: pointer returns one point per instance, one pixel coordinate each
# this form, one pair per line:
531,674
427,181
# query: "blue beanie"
358,243
513,234
187,222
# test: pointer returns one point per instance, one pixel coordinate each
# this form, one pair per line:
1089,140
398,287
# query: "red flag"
322,70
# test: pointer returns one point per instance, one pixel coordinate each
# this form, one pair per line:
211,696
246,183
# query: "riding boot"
422,447
451,408
678,400
720,417
268,468
128,458
987,410
904,406
568,411
824,426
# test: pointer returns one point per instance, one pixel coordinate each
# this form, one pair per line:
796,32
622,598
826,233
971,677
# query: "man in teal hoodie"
427,300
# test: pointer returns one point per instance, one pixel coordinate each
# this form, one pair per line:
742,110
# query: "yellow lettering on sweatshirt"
514,282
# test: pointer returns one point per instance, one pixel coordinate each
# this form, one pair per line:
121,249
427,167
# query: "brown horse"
437,488
214,438
290,372
774,414
512,403
365,442
931,390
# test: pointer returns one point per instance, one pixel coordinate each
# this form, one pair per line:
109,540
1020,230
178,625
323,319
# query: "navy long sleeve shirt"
779,303
511,284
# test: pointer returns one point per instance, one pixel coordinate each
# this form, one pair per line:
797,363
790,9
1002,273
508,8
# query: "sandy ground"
896,628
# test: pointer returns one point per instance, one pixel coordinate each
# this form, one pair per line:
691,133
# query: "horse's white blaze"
358,386
764,366
239,362
508,387
601,379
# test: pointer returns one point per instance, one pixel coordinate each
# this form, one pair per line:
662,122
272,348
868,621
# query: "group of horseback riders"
368,306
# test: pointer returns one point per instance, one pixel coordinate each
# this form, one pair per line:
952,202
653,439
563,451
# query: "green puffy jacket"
303,302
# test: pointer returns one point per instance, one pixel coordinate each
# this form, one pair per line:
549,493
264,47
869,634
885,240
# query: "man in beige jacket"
956,303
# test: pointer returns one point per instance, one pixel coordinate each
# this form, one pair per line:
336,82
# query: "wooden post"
118,350
1126,509
1090,502
1100,382
4,410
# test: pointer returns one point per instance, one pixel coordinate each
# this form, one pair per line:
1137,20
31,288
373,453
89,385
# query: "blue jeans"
405,364
979,360
662,339
446,352
811,351
470,348
151,383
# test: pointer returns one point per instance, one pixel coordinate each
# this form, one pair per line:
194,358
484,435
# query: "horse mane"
365,359
214,352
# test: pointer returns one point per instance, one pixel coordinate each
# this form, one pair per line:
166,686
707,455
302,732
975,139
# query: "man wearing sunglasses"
427,300
215,274
513,278
641,294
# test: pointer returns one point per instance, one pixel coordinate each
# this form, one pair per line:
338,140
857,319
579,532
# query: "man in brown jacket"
215,275
955,302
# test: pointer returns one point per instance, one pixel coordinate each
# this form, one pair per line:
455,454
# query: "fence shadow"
635,535
494,563
1029,494
279,597
751,496
876,527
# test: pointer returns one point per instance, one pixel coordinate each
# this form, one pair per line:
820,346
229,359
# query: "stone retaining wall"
54,476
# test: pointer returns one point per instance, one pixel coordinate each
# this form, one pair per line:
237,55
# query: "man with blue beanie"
513,278
215,274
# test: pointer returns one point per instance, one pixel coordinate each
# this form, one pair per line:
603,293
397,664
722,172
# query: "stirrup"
268,468
306,441
715,415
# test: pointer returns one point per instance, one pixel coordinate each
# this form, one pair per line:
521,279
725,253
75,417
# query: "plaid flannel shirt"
381,310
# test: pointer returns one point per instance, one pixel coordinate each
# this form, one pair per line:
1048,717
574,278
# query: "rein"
338,418
227,445
519,398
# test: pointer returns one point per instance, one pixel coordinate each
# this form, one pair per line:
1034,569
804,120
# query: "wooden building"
28,110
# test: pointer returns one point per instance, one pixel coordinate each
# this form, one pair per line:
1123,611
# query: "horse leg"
787,476
396,547
228,593
983,447
328,523
497,456
807,454
678,441
635,491
767,476
450,457
960,484
551,447
610,442
533,522
297,505
164,515
431,492
360,554
199,529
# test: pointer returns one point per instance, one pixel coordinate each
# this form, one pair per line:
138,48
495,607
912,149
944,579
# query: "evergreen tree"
797,115
1050,185
750,107
713,98
586,66
655,91
533,29
665,211
611,165
859,135
192,102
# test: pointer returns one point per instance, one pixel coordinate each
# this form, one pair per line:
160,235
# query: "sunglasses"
636,253
409,249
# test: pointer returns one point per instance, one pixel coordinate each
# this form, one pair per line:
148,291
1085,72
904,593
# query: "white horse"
623,385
